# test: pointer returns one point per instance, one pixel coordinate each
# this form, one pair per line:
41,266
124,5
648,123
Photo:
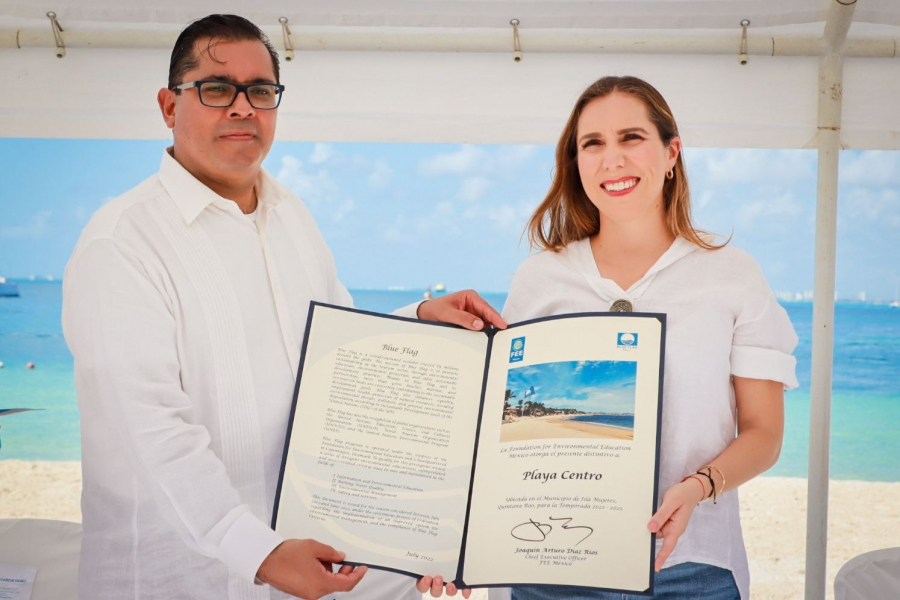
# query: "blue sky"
589,386
413,215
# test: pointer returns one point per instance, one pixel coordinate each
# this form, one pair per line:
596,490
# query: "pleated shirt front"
185,319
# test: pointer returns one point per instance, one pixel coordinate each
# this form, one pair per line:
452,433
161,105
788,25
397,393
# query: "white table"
51,546
870,576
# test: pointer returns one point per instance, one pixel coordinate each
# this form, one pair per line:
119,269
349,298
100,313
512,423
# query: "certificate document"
16,582
528,456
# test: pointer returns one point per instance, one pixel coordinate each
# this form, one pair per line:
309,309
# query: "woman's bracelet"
702,489
716,469
712,485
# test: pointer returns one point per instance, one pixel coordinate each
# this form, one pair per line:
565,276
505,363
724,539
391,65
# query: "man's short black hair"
228,28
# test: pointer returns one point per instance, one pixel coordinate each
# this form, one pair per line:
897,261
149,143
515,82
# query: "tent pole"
411,39
829,143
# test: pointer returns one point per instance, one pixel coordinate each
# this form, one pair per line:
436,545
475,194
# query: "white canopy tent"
819,74
442,70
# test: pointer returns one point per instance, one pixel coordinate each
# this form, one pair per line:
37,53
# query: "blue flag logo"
627,340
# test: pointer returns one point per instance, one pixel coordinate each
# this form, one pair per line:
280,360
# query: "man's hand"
435,585
302,568
464,308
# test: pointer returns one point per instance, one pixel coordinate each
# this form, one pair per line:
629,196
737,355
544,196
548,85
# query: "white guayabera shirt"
185,319
722,320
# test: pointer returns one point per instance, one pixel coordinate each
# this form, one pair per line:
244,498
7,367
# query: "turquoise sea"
626,421
865,414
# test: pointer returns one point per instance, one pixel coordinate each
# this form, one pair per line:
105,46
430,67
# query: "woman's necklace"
621,306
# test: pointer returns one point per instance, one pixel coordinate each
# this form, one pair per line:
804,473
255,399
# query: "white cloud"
442,218
321,153
882,206
381,175
704,199
82,213
744,165
343,210
34,227
870,168
463,161
770,207
509,158
316,188
312,187
398,231
505,216
596,400
473,188
470,160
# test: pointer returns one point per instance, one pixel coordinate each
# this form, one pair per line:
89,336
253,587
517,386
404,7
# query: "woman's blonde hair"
567,214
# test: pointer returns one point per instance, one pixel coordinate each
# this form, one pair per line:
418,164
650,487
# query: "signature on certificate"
535,531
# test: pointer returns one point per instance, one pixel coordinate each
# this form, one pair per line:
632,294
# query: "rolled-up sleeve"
764,337
122,333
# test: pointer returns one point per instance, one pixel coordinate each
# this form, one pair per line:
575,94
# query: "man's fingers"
452,590
326,553
346,569
465,308
461,318
437,587
424,584
483,309
346,582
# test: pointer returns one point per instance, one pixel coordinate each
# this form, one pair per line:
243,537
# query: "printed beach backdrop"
571,399
865,414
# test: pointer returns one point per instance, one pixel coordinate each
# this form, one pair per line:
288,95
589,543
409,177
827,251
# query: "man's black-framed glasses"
222,94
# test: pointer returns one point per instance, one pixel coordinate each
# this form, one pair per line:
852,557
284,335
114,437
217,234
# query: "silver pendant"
621,306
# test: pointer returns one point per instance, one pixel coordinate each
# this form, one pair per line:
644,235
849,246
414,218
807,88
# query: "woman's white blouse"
722,320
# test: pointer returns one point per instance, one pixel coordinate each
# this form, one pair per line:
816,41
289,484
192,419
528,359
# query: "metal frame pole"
829,121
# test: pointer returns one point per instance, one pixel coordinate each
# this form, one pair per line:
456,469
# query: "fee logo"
627,340
517,350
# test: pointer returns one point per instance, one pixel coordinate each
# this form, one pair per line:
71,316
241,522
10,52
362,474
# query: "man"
185,304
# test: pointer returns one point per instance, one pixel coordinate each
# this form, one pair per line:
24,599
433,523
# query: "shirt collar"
680,248
584,262
192,197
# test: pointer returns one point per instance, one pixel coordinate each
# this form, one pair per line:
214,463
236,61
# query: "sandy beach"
863,516
559,426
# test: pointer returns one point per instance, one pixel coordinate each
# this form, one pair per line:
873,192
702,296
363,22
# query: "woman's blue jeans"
688,580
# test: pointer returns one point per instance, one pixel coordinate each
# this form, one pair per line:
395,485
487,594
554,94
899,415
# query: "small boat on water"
8,288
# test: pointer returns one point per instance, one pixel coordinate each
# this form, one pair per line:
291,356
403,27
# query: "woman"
615,228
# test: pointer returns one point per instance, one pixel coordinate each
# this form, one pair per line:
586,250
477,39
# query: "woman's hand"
436,586
671,520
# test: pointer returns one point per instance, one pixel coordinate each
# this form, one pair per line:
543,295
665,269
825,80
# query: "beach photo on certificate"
572,399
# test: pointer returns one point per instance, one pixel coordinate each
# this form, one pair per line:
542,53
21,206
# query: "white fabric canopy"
591,14
442,70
